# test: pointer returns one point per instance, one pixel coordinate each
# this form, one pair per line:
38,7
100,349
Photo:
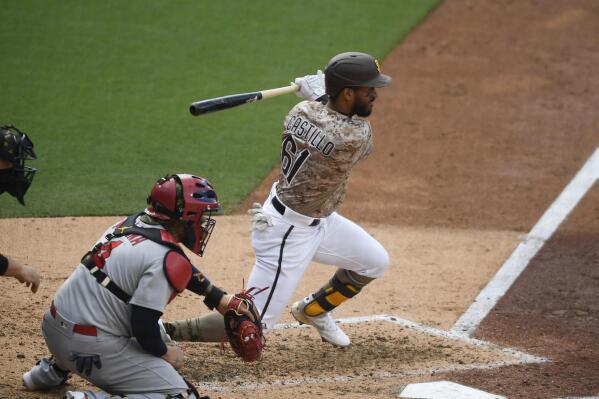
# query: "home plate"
444,390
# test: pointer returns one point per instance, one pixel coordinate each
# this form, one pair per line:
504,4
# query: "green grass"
103,89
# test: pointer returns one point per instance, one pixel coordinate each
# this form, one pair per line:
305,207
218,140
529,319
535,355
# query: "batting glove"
260,220
312,87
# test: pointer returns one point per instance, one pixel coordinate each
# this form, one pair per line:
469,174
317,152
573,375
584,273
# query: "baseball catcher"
104,322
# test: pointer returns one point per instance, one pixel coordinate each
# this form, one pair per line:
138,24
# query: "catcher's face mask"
198,233
16,148
16,182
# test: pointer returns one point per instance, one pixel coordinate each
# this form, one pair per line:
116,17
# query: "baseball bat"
218,104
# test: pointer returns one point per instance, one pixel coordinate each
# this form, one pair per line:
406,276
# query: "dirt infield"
411,289
491,112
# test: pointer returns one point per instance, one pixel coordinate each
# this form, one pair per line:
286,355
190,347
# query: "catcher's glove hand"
244,326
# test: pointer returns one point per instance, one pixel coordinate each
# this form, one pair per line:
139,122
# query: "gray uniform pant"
126,368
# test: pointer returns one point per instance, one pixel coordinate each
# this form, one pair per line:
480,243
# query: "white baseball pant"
284,251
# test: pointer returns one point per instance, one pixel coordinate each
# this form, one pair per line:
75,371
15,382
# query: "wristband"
213,297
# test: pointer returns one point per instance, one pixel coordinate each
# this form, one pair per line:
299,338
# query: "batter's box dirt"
296,356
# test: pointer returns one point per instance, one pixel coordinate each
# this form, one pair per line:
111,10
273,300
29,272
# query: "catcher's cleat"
44,375
325,325
79,395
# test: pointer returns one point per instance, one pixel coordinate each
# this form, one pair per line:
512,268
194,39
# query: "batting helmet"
353,69
190,199
16,148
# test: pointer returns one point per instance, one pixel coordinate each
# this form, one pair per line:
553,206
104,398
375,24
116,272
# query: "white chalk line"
518,358
526,250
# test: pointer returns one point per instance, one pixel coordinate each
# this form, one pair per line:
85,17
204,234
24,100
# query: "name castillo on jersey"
305,130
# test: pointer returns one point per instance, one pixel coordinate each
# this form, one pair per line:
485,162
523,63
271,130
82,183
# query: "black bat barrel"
220,103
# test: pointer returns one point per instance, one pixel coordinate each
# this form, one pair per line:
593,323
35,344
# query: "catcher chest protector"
177,266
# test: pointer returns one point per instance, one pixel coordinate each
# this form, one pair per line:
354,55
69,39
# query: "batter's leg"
283,252
348,246
344,284
360,259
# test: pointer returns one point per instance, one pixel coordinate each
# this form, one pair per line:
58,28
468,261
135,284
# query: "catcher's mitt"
244,326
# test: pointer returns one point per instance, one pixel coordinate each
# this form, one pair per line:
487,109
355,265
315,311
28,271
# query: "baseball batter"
298,223
103,323
15,179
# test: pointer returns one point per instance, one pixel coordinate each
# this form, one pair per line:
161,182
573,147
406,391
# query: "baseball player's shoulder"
362,124
330,115
305,108
323,116
144,245
317,112
345,126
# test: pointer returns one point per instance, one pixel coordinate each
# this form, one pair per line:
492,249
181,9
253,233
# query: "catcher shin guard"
207,328
344,284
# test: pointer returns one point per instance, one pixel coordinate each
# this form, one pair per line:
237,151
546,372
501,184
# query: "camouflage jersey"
320,148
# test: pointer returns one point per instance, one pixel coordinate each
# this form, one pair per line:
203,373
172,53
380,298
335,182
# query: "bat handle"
292,88
226,102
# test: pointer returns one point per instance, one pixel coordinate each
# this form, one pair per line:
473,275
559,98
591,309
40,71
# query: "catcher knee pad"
344,285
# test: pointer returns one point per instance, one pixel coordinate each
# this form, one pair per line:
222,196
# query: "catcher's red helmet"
188,198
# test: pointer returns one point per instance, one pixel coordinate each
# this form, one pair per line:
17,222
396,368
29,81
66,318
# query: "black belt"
281,209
